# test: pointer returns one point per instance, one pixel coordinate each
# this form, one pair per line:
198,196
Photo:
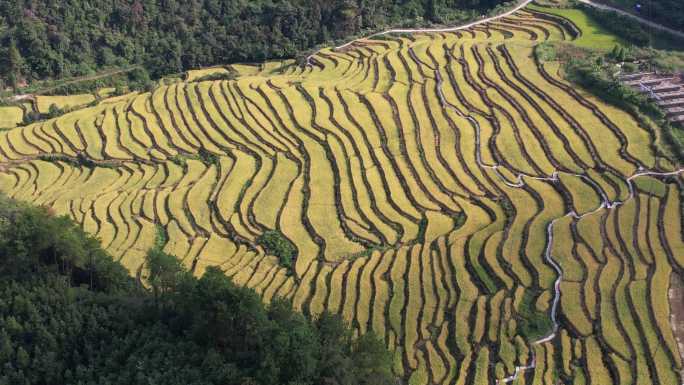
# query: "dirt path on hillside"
676,296
79,79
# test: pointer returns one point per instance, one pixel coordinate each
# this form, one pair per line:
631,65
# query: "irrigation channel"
520,182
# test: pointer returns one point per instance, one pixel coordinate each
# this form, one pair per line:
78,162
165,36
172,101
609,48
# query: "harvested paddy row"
433,186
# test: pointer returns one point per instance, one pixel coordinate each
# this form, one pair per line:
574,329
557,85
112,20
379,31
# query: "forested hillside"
55,39
667,12
69,314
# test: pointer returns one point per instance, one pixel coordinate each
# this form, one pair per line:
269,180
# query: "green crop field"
592,34
434,185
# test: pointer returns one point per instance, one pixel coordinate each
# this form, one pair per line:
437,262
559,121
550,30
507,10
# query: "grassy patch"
212,76
651,186
459,220
546,52
368,252
668,61
593,34
200,74
632,31
80,161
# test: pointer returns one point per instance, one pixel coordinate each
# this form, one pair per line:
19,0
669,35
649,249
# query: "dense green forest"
667,12
69,314
55,39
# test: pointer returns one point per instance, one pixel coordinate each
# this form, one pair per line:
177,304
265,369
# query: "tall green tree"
166,274
78,37
14,65
55,329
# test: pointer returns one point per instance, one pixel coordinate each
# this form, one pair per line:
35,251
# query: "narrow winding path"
79,79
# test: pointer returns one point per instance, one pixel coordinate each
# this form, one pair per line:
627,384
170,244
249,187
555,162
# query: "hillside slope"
444,190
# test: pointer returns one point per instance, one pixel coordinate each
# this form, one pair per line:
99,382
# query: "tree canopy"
56,39
71,315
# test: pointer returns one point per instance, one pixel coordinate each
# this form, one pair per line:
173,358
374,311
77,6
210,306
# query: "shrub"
532,323
216,76
179,160
460,219
507,208
545,52
630,67
422,227
368,251
31,117
208,158
274,242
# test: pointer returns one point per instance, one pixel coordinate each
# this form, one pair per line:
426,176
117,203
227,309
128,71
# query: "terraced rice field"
196,74
488,220
43,102
10,116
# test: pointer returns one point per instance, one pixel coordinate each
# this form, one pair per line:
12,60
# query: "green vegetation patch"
204,156
366,253
532,323
595,71
70,314
161,237
81,160
594,35
218,74
667,12
546,52
651,186
276,243
422,228
459,220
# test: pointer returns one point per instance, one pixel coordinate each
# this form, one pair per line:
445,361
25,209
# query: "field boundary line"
85,78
